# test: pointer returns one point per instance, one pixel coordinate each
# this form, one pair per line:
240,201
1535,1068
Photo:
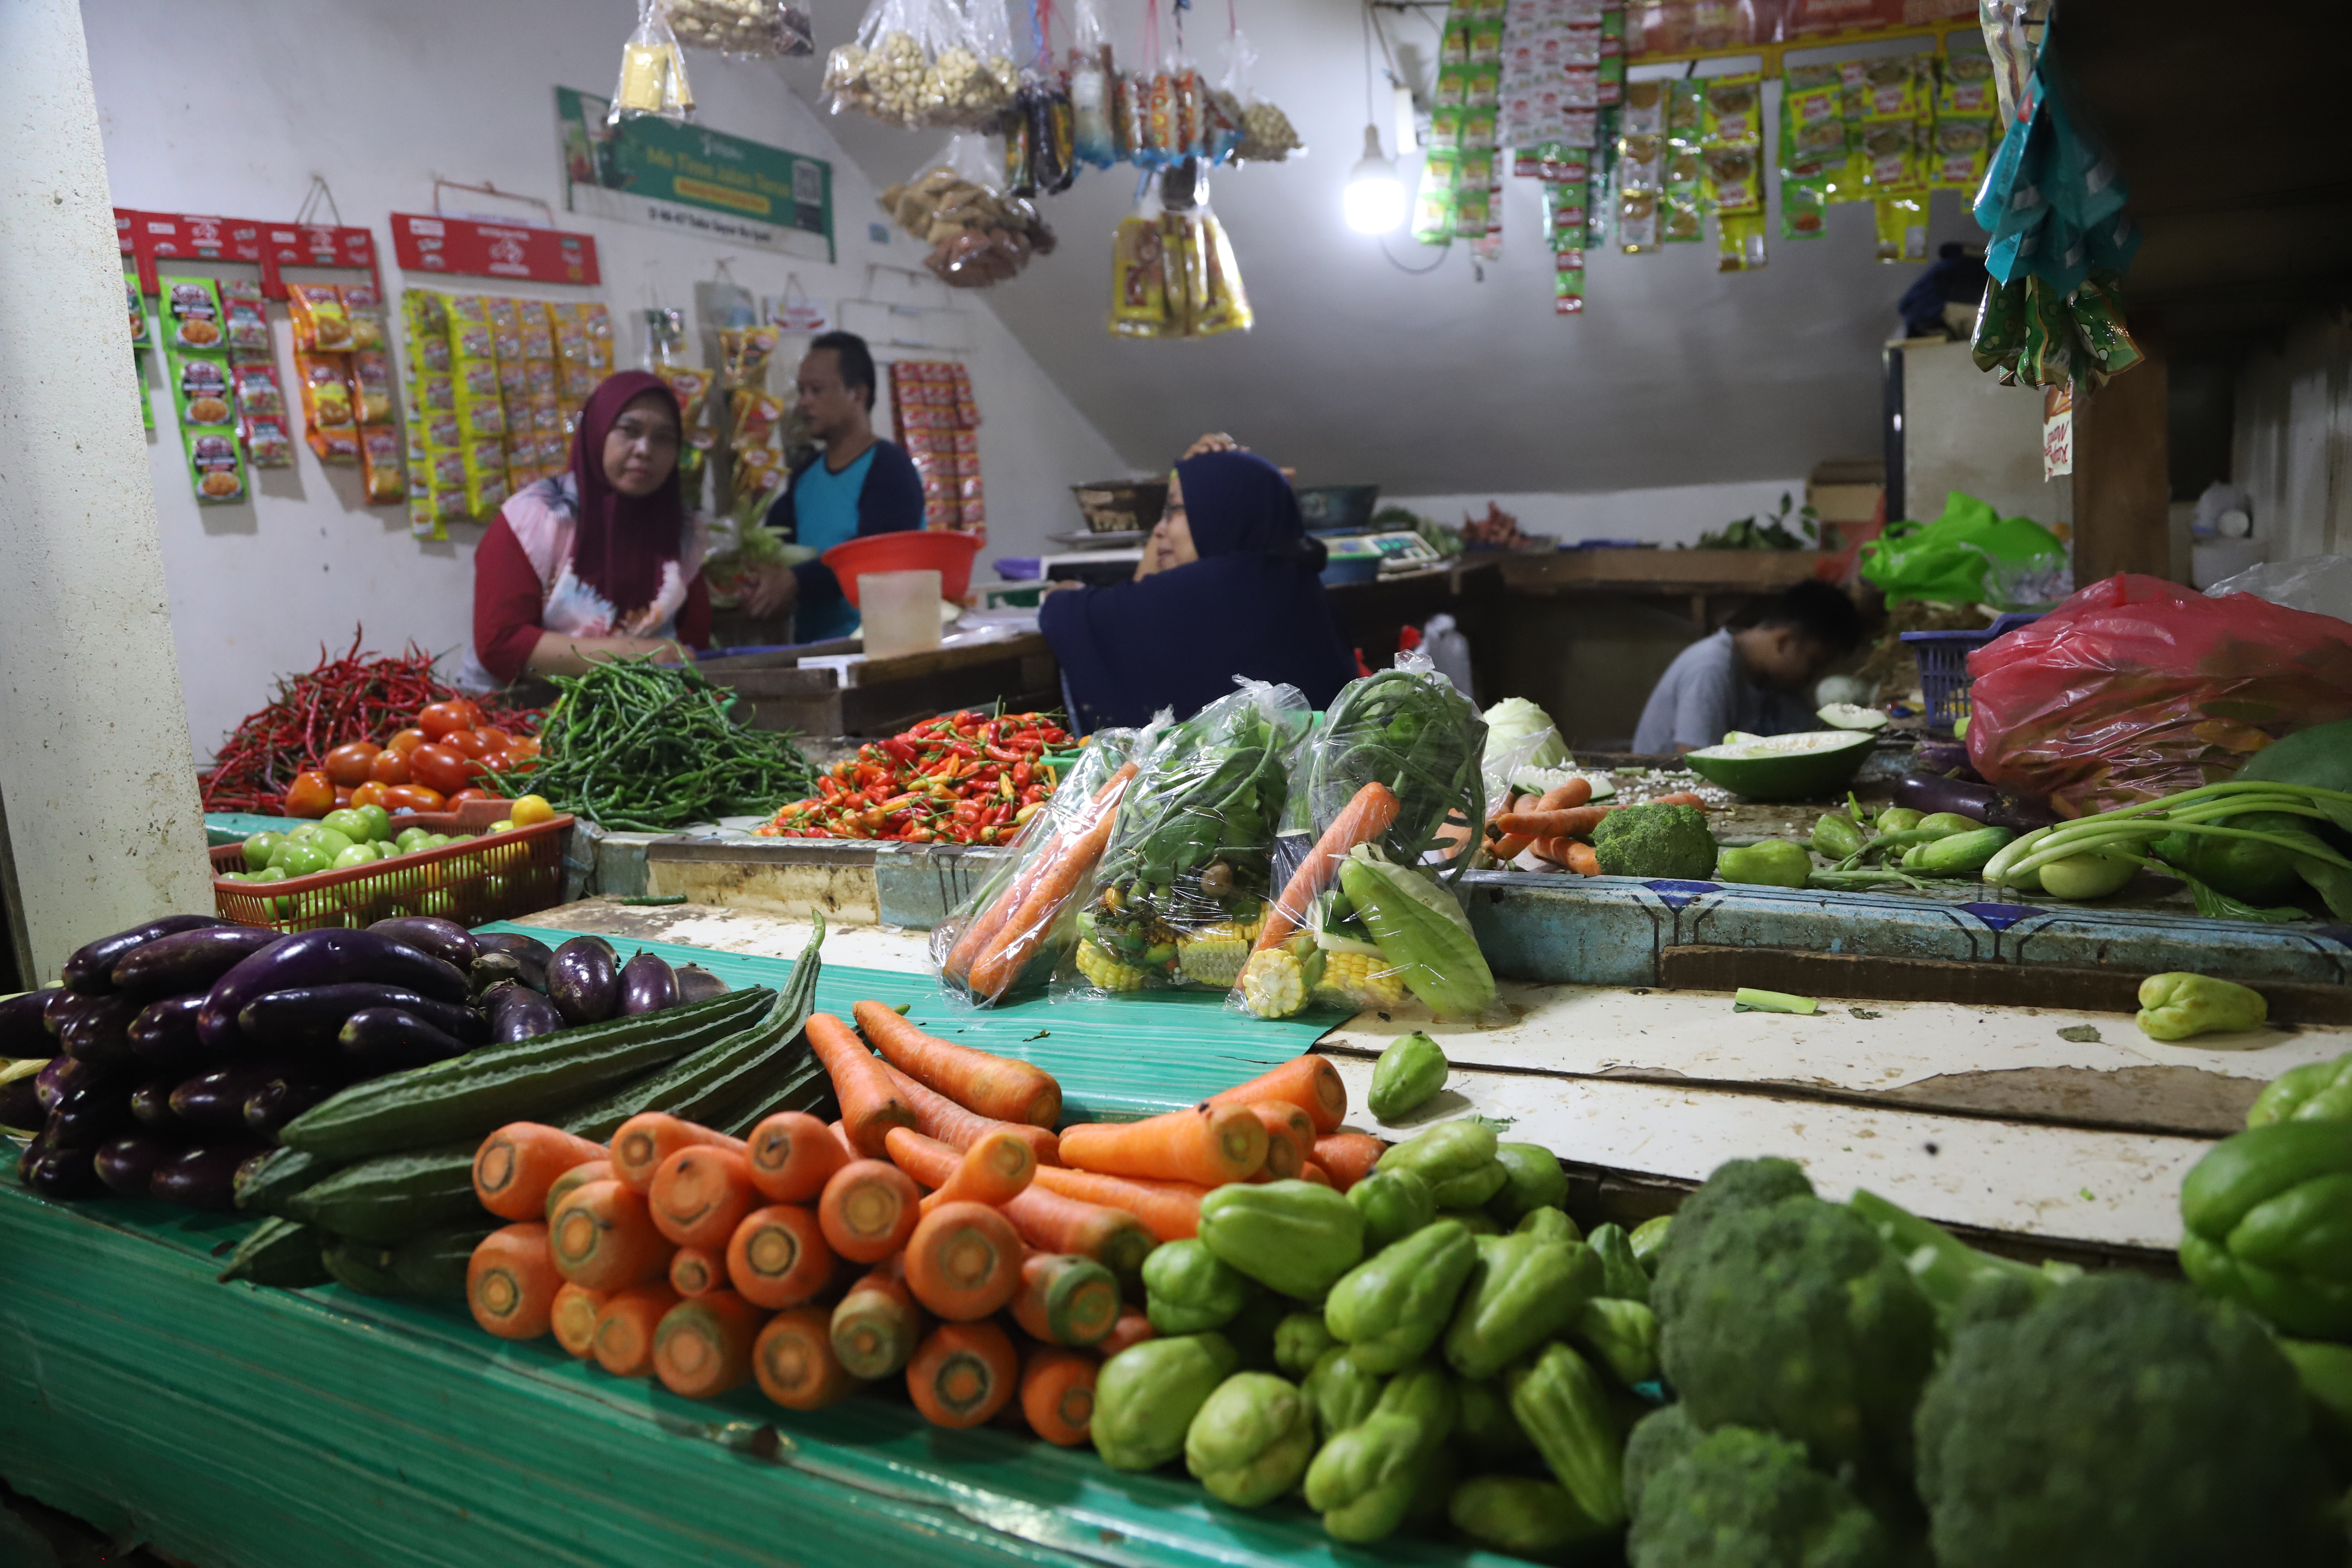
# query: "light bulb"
1375,196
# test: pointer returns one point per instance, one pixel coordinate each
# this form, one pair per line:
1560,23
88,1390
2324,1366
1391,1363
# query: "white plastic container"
902,612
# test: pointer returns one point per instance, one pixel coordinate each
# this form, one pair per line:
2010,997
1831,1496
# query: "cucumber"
356,1266
266,1187
278,1252
432,1267
475,1094
388,1200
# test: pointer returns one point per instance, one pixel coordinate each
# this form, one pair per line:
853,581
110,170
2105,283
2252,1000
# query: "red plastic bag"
2136,688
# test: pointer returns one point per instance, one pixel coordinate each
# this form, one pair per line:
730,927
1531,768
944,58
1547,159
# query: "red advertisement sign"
462,245
145,236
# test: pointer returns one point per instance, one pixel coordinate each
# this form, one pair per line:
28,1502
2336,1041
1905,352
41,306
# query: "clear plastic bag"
741,29
957,205
1012,932
653,71
1093,76
926,62
2319,583
1252,130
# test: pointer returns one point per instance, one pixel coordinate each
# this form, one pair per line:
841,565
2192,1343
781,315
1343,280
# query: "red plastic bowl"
910,550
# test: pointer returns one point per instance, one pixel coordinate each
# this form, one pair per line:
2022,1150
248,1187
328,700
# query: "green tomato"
411,840
494,886
357,855
347,823
379,821
257,849
304,830
236,875
332,842
304,859
270,873
437,840
439,901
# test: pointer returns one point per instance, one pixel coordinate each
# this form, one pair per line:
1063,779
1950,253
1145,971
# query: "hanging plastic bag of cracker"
653,71
744,30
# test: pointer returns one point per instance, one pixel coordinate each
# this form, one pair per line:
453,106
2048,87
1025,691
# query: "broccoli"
1736,1186
1670,841
1795,1319
1741,1499
2118,1421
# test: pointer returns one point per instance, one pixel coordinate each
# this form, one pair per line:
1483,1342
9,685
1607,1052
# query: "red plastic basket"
944,551
472,883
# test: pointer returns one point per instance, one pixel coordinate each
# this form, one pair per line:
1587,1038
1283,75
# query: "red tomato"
311,794
499,741
440,719
389,768
464,795
412,797
524,748
405,743
369,794
439,768
342,797
469,741
348,766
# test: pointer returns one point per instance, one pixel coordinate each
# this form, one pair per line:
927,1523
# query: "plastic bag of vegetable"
1182,890
1013,930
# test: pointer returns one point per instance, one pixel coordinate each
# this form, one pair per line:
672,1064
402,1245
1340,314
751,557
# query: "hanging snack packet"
2000,335
371,389
1958,152
1225,306
381,473
1637,222
326,390
1903,230
2100,333
321,323
136,302
200,391
652,70
1733,183
244,326
1645,108
1091,75
214,466
1432,206
1964,90
1804,208
691,386
1740,243
745,353
1640,164
1138,291
1687,111
1734,109
257,389
192,314
267,444
364,306
1887,88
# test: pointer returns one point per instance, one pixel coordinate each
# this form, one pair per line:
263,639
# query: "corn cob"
1213,955
1273,983
1101,968
1359,980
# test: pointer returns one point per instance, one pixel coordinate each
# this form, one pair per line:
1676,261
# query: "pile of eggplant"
174,1051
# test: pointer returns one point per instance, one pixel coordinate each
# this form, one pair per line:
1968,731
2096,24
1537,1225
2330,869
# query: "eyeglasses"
654,437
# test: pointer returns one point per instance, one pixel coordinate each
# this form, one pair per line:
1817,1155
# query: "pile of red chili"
358,696
961,778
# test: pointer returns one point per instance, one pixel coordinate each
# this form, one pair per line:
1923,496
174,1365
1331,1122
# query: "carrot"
994,1085
1680,797
573,1318
696,1271
1132,1329
937,1115
1289,1134
867,1210
778,1257
644,1140
1349,1156
870,1106
1561,797
1569,822
701,1195
964,1373
602,1236
1065,1300
1211,1144
597,1170
996,1170
1310,1082
841,1136
1045,1220
703,1347
1170,1210
625,1326
792,1156
1508,848
1582,859
876,1326
928,1161
793,1359
1308,1171
963,1261
1008,951
517,1164
1371,812
1057,1393
511,1282
985,927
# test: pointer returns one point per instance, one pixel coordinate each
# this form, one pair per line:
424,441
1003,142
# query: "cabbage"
1514,719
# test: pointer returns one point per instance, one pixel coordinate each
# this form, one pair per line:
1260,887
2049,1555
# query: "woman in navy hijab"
1229,585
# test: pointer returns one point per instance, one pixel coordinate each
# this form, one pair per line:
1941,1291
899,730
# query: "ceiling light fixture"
1375,199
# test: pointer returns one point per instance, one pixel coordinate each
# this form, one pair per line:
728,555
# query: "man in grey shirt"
1757,680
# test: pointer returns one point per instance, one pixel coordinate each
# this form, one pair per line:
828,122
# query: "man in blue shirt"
1757,680
859,484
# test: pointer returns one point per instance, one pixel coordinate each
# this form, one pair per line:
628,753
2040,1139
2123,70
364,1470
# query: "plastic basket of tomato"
470,881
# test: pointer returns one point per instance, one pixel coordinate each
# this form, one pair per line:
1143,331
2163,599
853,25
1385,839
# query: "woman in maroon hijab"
601,561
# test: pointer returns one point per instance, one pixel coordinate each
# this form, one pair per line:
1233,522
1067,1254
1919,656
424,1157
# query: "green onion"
1755,1001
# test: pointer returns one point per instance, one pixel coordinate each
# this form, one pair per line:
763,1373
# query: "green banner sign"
650,170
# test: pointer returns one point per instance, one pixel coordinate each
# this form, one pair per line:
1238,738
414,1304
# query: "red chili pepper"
1021,776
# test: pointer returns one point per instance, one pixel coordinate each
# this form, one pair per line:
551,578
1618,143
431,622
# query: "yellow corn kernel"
1273,983
1359,980
1213,955
1101,968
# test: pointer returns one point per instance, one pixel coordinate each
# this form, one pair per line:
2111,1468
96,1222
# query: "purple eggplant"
1931,792
495,965
329,956
163,1035
309,1018
55,1173
151,1105
445,940
20,1102
583,981
63,1076
84,1118
696,983
1945,757
379,1040
98,1031
187,960
518,1013
91,970
23,1032
214,1102
61,1008
203,1177
529,948
28,1154
127,1163
280,1101
648,984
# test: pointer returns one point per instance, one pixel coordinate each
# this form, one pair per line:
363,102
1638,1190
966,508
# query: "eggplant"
57,1007
648,984
23,1031
379,1040
445,940
20,1096
309,1017
29,1154
127,1163
187,960
1932,793
98,1031
493,969
57,1172
63,1076
84,1118
529,948
151,1105
91,968
518,1013
203,1177
696,983
328,956
1945,757
163,1035
583,981
214,1102
281,1099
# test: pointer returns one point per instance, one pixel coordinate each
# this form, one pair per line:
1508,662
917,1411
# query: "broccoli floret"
1659,1439
1742,1499
1795,1319
1736,1187
1670,841
2120,1422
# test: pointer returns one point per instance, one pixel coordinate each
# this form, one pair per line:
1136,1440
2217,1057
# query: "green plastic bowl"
1814,765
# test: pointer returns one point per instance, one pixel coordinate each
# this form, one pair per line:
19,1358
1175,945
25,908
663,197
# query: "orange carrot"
1057,1393
937,1115
1025,930
1568,822
1508,848
963,1261
517,1164
573,1320
876,1326
597,1170
993,1086
1065,1300
1371,812
792,1156
701,1195
870,1105
1289,1135
625,1325
930,1161
1170,1210
1308,1171
1132,1329
778,1257
696,1271
868,1210
964,1373
1680,797
602,1236
1046,1220
793,1359
1211,1144
644,1140
511,1283
703,1347
1349,1156
1581,859
841,1136
1561,797
1309,1082
996,1170
989,924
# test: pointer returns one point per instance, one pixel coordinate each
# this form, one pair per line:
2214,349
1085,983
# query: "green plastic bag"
1969,555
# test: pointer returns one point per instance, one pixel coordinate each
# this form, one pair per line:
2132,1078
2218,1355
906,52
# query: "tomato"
412,797
524,748
439,768
342,797
499,741
311,794
348,766
469,741
440,719
464,795
532,808
389,768
405,741
369,793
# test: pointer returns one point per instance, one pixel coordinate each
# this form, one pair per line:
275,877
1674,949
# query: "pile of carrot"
1557,826
939,1232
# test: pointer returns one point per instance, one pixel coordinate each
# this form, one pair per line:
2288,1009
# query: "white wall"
1667,515
235,118
2292,446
